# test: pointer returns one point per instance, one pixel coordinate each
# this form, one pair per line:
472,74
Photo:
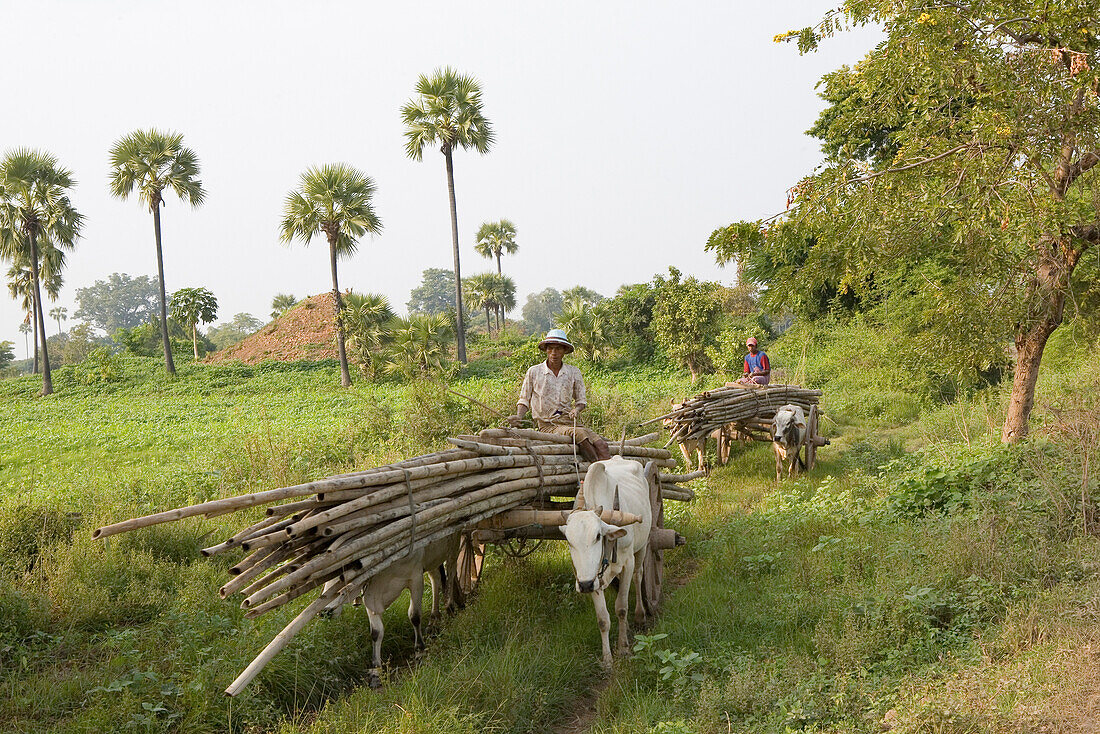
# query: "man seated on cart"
757,368
554,393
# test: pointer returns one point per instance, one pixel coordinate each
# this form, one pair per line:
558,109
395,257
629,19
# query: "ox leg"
778,462
416,605
622,600
686,454
639,605
603,619
376,630
438,577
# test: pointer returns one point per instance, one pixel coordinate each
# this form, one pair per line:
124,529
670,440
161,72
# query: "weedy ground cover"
924,578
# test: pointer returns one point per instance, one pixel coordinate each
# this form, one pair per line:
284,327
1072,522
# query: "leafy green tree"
447,112
541,311
365,319
632,313
152,161
579,292
420,346
189,306
59,314
686,319
337,201
78,344
34,208
119,302
494,238
240,326
435,294
7,353
282,303
975,226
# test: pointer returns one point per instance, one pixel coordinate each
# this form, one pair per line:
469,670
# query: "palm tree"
478,290
21,285
336,200
589,328
34,206
152,161
282,303
420,345
366,320
59,314
24,329
494,238
504,296
192,305
447,113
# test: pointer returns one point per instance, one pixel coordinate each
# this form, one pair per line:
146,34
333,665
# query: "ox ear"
598,510
615,532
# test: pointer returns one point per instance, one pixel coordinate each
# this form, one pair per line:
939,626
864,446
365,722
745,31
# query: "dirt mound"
307,331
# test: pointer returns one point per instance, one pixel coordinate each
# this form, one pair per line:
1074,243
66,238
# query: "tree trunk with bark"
40,320
1051,284
345,373
460,324
195,340
169,365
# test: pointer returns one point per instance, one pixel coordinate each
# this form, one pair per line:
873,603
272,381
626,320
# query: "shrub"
26,531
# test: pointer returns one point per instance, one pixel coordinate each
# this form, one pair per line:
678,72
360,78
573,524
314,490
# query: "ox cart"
519,531
336,539
743,412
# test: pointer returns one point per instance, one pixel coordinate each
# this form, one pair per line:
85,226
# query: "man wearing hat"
554,393
757,369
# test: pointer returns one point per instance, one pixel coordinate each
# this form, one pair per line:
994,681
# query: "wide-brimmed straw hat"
556,336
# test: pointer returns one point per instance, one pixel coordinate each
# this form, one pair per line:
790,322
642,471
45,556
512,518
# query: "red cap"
751,341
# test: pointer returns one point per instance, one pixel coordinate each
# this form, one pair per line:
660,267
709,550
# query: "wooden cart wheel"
471,557
654,564
811,439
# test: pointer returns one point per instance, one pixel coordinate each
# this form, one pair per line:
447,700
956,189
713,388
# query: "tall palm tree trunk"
47,378
488,323
459,322
195,340
498,263
34,330
168,363
345,374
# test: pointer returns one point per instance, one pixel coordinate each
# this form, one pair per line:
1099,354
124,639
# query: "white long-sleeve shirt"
545,393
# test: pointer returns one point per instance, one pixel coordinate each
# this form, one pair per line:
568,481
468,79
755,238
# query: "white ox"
603,552
407,573
787,440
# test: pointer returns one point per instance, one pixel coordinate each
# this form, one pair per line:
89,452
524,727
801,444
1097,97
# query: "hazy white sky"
626,132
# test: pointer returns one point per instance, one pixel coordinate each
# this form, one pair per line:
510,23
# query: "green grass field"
923,578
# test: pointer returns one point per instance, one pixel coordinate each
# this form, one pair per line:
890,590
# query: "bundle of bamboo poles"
750,409
338,533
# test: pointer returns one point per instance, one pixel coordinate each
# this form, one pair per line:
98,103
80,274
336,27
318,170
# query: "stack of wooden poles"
750,409
338,533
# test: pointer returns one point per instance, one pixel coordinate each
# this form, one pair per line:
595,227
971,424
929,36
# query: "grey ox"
789,435
408,573
603,552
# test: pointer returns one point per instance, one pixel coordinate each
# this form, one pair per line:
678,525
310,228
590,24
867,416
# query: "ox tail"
801,463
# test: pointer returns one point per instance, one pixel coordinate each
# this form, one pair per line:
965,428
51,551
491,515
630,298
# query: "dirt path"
582,715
